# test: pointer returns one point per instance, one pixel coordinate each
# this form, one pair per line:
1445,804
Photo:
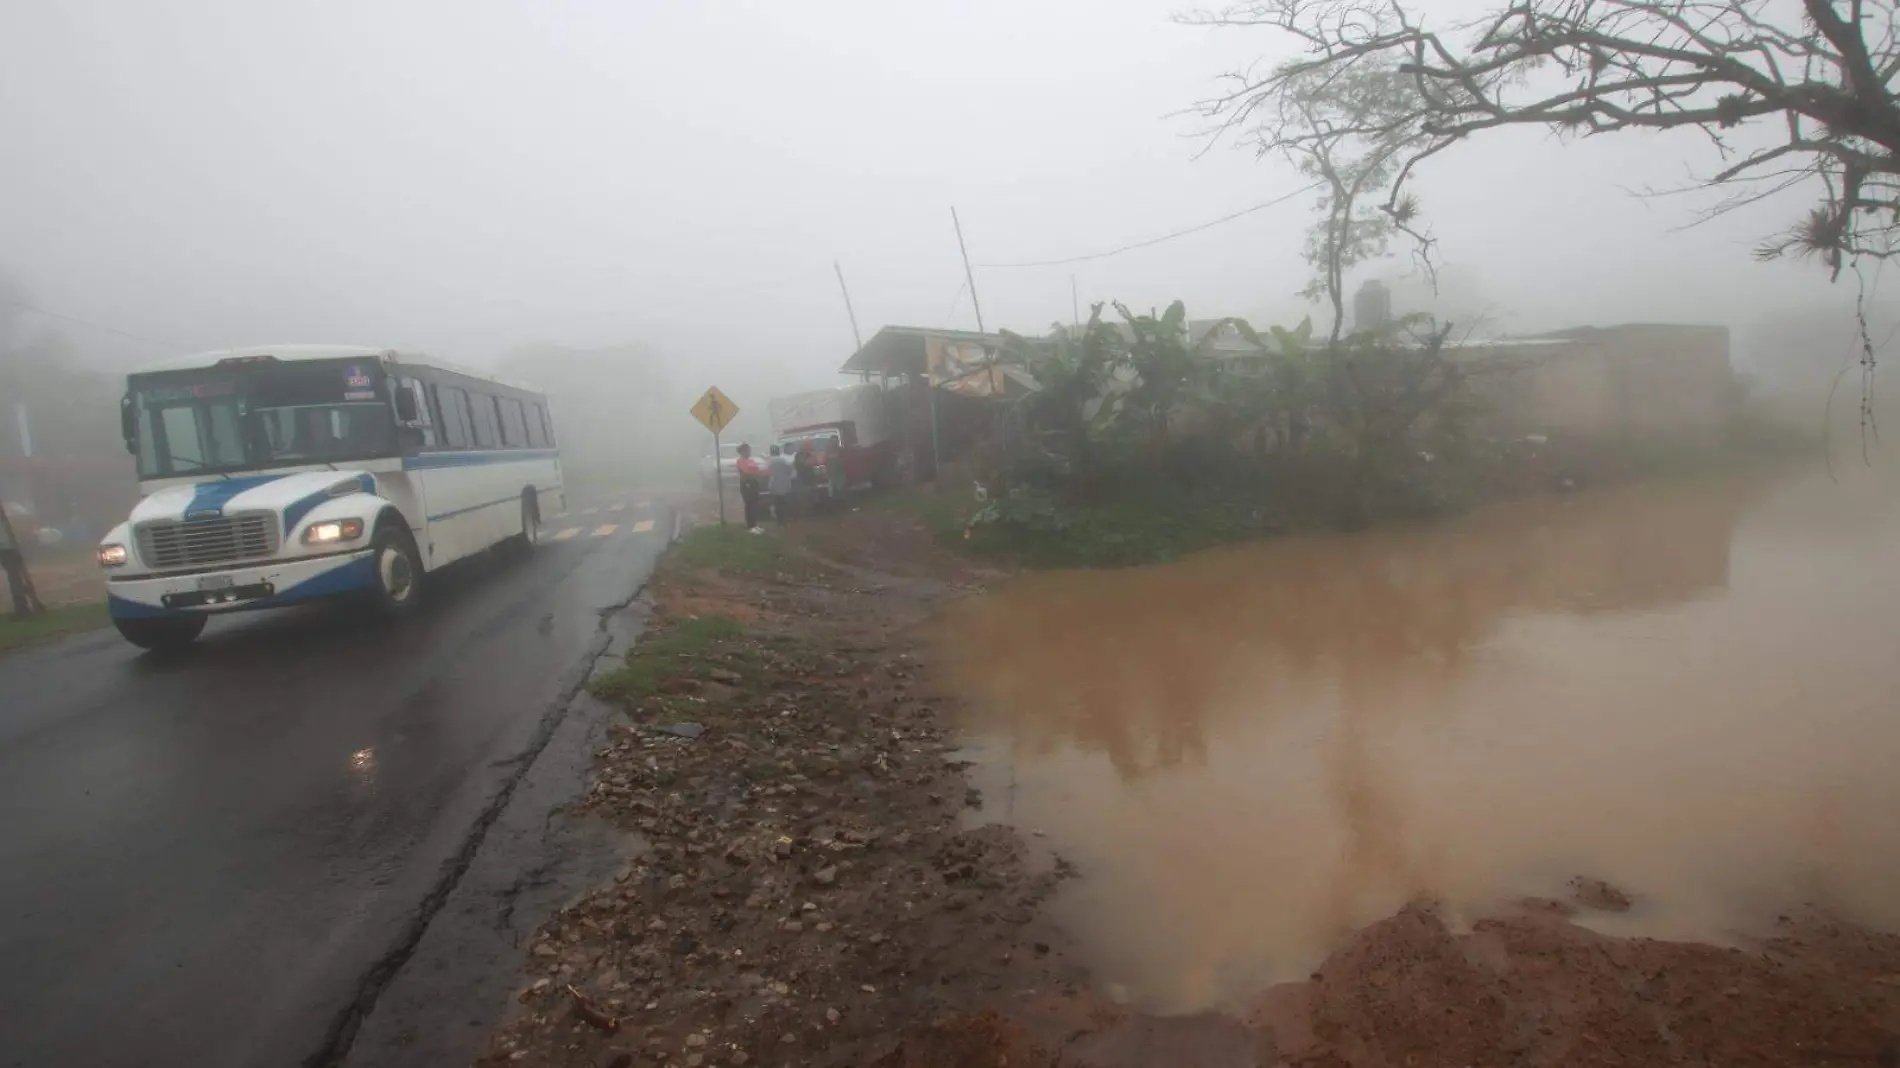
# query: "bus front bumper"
270,584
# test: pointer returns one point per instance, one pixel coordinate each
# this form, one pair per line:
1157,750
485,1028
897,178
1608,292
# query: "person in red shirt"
751,484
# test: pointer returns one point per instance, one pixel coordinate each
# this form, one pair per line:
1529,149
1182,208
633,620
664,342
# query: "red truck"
849,421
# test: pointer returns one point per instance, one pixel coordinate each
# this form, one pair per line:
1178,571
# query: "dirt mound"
1536,989
982,1040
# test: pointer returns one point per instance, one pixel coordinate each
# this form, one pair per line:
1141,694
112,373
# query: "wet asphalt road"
217,860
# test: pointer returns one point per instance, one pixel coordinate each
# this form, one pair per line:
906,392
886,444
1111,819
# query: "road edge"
347,1026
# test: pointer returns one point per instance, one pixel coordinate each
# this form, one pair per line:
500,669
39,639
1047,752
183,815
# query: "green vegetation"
52,623
1035,531
946,514
729,548
694,647
1145,443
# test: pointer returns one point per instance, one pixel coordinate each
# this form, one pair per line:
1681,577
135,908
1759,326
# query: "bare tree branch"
1820,72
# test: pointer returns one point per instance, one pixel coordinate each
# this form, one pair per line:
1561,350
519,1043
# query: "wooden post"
936,457
31,606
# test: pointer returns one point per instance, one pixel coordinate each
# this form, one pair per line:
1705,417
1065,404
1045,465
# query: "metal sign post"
715,411
719,479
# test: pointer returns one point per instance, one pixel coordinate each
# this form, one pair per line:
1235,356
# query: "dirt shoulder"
807,891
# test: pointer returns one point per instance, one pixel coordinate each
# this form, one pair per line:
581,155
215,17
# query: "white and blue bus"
277,475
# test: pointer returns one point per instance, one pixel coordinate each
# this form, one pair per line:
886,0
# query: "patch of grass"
52,623
731,549
1118,535
703,642
944,513
1133,524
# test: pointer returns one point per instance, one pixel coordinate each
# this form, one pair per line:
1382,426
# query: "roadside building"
943,389
1651,382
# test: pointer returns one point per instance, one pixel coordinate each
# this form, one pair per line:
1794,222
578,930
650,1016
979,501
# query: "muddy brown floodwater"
1688,690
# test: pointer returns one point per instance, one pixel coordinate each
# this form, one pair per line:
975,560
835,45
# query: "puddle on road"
1687,690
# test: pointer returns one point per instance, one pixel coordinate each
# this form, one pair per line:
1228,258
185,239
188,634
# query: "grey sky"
467,176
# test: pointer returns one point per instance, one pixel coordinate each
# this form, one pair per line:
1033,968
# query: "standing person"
781,479
805,464
834,467
751,485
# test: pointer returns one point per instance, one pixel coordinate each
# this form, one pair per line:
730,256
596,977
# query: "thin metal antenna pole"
855,336
968,275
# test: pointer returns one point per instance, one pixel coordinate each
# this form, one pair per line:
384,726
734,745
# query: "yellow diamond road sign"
715,409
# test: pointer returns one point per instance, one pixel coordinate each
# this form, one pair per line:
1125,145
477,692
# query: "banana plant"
1075,400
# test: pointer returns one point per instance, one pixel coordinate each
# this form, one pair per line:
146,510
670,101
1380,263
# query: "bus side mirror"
406,405
129,425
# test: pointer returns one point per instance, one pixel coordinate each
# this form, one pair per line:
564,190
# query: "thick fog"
475,177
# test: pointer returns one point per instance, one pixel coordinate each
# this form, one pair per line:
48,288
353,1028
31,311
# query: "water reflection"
1253,751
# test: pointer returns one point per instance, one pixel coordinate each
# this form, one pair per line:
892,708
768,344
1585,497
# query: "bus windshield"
219,420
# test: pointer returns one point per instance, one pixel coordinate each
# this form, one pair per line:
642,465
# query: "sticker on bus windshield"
355,378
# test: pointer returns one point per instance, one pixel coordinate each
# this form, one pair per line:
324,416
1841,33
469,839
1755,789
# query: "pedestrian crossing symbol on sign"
715,410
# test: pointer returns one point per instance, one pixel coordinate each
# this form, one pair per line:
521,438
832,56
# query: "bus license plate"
216,582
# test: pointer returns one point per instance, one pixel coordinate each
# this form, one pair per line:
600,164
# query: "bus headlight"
113,556
332,531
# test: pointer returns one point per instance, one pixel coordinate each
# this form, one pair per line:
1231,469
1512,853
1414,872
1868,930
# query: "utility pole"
1075,305
855,336
968,275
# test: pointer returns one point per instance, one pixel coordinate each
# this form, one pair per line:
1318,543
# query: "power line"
1275,202
92,325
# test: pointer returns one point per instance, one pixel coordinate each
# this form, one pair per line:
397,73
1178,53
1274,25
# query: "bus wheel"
398,588
530,535
161,635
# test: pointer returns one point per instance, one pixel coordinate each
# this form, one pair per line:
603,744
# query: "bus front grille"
166,544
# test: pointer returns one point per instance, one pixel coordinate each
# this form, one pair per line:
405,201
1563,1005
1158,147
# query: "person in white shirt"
781,480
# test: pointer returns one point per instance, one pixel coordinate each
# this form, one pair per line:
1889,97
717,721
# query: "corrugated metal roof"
900,349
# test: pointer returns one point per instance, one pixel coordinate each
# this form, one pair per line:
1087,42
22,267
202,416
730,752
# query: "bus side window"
454,412
486,428
424,419
468,415
514,432
537,429
501,422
